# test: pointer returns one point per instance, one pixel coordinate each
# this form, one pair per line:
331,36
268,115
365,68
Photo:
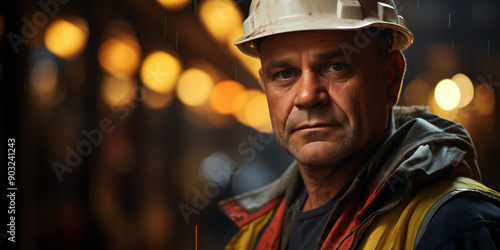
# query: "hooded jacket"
427,161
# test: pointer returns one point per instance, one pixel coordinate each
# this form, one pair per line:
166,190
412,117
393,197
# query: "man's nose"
311,91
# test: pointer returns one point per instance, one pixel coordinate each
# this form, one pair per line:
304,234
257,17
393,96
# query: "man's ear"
261,81
396,64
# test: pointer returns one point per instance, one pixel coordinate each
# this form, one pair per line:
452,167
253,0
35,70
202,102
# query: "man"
367,175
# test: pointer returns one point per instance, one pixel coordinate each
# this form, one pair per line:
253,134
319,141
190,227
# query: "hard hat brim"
403,38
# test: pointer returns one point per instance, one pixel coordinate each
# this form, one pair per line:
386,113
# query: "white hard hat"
269,17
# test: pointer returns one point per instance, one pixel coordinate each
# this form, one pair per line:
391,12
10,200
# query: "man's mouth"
310,126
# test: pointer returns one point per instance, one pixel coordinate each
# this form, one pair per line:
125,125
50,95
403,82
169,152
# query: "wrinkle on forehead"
320,45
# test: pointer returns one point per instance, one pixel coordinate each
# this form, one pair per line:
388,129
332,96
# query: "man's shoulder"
469,220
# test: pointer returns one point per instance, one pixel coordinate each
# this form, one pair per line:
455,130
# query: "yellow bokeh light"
447,94
223,97
251,64
253,110
208,68
154,100
45,85
257,113
436,109
194,87
67,38
160,71
174,4
239,106
220,18
117,91
43,78
120,57
466,89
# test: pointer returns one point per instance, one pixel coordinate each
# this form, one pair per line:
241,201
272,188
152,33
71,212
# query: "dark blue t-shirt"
308,225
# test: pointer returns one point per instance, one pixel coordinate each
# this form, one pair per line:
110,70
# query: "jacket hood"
428,148
424,148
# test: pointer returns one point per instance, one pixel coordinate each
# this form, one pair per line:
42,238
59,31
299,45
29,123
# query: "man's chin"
318,153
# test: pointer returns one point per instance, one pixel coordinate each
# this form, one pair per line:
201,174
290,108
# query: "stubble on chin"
323,154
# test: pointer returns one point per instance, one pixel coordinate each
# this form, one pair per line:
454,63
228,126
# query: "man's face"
326,108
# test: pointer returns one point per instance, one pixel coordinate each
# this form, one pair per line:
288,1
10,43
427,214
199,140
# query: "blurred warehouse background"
133,118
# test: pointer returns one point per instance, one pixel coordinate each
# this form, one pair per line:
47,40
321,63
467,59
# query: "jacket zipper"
381,211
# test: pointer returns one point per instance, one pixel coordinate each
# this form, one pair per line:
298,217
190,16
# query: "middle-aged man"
367,175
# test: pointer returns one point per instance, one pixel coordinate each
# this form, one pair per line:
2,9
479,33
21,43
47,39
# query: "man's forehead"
320,44
312,35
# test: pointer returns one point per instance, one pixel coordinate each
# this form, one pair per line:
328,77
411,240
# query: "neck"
324,182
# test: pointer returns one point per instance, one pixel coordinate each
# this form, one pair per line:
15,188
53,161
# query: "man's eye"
336,67
284,74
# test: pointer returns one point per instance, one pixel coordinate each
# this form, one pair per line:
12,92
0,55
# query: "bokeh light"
253,175
447,94
217,168
117,91
194,87
252,110
120,56
160,71
239,105
220,18
251,64
67,38
174,5
437,110
417,93
466,88
46,85
257,113
223,97
43,78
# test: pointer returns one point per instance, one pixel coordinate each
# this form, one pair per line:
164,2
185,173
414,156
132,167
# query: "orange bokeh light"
223,97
